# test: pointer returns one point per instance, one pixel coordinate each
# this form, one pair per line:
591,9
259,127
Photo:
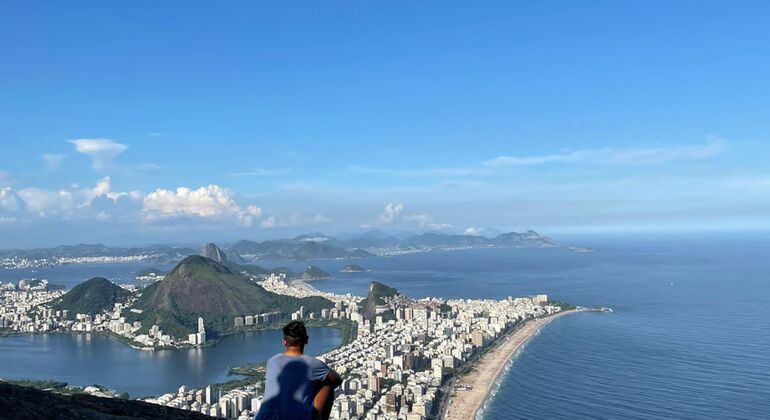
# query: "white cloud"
101,151
47,202
10,201
473,231
53,160
7,220
609,155
294,220
5,178
393,214
211,202
102,187
390,214
77,202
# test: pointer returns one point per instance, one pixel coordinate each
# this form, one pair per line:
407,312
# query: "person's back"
297,386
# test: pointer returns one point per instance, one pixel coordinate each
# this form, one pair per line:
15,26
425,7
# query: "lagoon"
96,359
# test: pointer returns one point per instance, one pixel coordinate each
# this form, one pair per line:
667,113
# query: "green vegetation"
201,287
375,297
563,305
314,273
353,268
92,297
46,385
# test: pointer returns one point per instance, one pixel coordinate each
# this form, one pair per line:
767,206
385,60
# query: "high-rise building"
201,332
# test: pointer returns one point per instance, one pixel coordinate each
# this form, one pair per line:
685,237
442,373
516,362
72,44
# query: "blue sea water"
689,338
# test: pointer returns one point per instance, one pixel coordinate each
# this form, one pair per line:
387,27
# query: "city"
395,368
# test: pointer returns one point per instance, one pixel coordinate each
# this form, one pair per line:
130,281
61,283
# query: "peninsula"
472,389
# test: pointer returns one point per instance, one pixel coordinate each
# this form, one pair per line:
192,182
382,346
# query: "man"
297,386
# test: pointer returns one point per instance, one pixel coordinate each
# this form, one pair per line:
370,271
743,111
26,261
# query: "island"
353,268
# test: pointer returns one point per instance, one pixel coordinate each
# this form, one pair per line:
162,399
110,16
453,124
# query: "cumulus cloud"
47,202
390,214
394,214
211,202
102,151
75,202
294,220
53,160
609,155
473,231
10,202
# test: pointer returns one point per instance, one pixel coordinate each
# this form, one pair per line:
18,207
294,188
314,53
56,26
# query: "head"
295,335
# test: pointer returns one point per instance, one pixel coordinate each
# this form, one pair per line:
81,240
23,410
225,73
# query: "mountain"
529,238
300,248
378,240
200,286
213,252
91,297
439,239
374,302
314,273
160,253
360,253
23,402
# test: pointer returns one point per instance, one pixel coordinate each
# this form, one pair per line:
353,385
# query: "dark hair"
295,334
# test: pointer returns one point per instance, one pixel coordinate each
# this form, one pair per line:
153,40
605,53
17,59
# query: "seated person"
297,386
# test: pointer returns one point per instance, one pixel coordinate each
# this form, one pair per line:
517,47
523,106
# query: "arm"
324,398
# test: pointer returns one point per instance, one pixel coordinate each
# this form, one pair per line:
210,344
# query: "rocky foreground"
29,403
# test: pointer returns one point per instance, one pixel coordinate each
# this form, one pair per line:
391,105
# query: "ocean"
689,337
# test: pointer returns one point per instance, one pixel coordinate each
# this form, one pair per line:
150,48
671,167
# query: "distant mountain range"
310,246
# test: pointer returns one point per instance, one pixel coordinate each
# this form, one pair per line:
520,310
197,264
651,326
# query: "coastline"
488,369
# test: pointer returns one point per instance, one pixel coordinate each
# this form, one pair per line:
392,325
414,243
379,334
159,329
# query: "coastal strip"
466,403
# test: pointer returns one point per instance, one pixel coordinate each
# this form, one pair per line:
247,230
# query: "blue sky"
141,122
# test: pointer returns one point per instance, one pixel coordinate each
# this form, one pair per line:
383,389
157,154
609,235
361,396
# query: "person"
297,386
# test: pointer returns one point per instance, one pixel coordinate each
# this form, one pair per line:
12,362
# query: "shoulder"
275,358
313,362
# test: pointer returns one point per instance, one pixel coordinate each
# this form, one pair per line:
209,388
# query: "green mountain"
297,249
314,273
91,297
375,298
199,286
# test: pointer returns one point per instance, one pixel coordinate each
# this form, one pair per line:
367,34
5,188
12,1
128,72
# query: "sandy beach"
465,404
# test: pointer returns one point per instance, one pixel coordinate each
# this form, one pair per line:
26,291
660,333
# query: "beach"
466,403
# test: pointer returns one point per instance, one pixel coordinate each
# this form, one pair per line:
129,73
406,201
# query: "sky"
176,122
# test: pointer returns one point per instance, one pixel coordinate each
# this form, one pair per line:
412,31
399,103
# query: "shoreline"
486,371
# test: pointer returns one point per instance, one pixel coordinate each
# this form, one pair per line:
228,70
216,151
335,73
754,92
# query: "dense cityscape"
395,367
